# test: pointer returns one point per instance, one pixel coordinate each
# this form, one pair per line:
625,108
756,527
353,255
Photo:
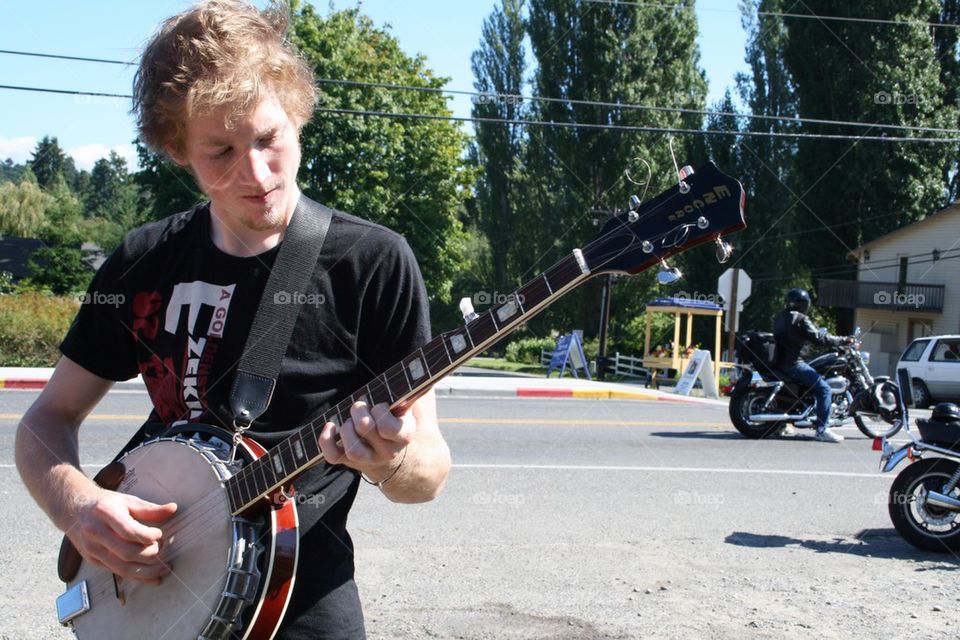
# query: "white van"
934,366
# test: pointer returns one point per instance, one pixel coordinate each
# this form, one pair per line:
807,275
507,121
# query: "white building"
908,286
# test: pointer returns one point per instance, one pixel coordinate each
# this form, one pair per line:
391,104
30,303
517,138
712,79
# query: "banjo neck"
702,207
404,382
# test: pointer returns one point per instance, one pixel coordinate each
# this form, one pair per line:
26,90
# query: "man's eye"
221,154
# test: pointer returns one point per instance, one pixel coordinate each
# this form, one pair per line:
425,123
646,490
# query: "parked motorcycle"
765,400
925,497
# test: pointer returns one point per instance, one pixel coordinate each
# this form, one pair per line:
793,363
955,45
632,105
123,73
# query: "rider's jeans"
807,375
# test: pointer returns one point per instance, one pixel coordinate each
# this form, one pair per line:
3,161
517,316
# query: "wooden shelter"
684,311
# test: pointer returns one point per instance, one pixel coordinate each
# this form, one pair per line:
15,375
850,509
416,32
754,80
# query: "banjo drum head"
198,543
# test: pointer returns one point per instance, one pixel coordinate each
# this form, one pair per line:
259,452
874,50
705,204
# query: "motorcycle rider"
792,329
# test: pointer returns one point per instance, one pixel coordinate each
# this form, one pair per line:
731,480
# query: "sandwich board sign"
569,349
700,366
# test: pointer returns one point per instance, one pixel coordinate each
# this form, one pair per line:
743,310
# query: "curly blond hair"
220,53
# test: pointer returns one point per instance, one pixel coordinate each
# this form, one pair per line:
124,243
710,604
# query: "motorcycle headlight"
866,357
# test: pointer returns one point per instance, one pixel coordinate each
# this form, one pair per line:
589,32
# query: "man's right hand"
114,530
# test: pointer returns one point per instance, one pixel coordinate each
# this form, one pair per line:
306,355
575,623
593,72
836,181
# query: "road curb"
600,394
37,384
22,383
505,391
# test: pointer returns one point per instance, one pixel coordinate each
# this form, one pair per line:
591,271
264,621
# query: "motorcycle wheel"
873,426
742,406
925,526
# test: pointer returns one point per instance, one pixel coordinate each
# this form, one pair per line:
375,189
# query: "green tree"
22,208
111,193
164,187
408,174
610,53
856,71
61,265
11,171
948,53
498,69
49,162
765,165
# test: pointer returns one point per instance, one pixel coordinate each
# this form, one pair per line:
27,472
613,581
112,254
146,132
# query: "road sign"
734,287
725,286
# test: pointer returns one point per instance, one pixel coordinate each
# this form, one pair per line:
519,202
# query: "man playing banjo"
221,92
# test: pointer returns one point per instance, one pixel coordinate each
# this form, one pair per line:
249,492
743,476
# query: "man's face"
248,170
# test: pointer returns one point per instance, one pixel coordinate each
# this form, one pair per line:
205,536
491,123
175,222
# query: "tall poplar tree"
875,73
498,69
408,174
642,54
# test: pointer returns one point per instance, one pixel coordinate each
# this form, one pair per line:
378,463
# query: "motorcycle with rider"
777,390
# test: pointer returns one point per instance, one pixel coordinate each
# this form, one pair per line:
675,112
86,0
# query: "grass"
499,364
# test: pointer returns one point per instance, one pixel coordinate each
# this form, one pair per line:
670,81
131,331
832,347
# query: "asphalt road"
581,519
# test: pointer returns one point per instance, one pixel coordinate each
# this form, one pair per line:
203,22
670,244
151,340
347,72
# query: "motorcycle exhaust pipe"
775,417
943,501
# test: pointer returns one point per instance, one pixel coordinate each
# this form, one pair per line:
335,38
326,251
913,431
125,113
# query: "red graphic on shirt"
146,312
163,383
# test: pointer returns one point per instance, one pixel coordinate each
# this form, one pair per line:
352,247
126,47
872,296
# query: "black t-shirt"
171,306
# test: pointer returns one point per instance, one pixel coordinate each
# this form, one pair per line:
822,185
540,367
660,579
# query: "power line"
66,91
541,123
571,101
847,267
616,127
782,14
60,57
640,107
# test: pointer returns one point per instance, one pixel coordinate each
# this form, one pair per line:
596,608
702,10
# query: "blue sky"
445,32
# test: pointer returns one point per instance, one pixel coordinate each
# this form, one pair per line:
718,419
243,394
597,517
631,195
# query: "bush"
527,350
32,325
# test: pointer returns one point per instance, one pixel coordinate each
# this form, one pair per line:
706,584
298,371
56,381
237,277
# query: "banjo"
234,539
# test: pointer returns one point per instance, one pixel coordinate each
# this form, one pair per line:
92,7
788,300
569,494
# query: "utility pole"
600,217
604,321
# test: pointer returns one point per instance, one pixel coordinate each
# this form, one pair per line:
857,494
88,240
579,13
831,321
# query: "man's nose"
255,168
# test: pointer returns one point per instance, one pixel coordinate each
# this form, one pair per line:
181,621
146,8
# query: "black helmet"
798,300
945,412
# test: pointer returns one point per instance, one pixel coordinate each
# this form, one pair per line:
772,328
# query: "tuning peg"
668,274
634,203
685,173
466,308
724,251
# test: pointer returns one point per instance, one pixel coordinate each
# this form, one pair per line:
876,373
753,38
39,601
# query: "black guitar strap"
272,325
276,315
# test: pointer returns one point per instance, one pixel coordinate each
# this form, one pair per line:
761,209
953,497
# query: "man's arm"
105,526
812,333
407,453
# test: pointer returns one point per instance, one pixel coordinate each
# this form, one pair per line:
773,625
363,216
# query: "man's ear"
178,157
